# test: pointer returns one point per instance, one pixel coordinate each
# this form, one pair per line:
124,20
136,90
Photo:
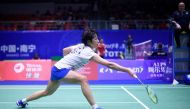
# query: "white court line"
72,102
31,87
146,107
66,88
102,88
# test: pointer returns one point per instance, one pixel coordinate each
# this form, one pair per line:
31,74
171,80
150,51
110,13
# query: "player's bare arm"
113,65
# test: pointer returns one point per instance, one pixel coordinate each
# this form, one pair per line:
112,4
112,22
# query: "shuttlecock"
175,82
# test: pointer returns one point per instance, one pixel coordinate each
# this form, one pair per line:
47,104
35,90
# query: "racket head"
152,95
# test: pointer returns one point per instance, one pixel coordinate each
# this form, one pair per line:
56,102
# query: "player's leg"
51,88
177,38
188,33
125,52
73,76
129,49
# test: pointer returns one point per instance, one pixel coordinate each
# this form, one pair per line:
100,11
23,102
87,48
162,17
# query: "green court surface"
107,96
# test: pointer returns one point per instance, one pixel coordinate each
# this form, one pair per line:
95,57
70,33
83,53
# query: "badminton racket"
151,93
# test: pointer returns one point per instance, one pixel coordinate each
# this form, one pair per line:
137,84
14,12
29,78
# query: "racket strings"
152,95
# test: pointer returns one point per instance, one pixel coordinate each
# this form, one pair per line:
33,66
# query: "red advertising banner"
38,70
26,70
90,70
1,71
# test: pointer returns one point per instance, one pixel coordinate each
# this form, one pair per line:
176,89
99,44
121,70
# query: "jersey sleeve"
87,53
74,46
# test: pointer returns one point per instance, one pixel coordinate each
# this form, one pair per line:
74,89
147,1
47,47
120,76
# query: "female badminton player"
65,70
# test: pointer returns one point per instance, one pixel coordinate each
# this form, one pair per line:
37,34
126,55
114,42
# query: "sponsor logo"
19,67
139,69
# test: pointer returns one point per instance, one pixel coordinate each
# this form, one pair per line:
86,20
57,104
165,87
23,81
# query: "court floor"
107,96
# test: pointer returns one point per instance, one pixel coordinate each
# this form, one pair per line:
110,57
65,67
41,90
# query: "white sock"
24,101
95,106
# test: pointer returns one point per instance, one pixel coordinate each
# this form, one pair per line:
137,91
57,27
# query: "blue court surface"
107,96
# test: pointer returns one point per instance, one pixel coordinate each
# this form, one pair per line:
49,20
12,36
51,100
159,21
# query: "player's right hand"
134,76
132,73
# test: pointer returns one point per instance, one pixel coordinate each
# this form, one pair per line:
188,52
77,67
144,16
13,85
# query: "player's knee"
47,93
83,79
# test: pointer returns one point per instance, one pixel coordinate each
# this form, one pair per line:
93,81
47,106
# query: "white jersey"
78,57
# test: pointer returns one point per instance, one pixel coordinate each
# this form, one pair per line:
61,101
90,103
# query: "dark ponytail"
88,35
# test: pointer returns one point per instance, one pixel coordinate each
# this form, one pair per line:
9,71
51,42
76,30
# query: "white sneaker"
175,82
97,108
